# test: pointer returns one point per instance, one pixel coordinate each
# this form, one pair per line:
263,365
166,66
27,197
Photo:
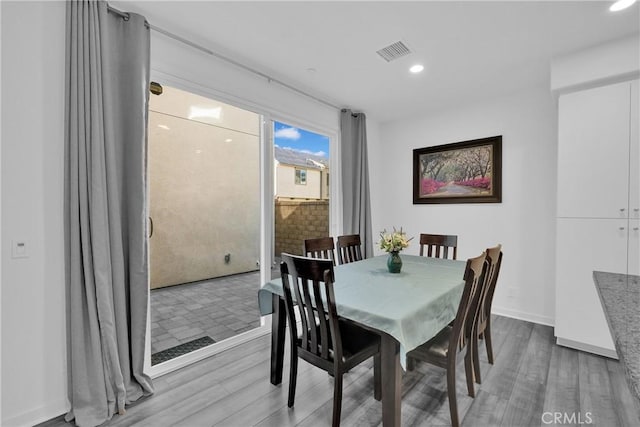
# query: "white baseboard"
38,415
521,315
542,320
587,347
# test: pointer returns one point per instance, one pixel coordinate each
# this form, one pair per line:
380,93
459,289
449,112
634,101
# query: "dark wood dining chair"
349,249
482,327
445,349
438,245
321,247
326,341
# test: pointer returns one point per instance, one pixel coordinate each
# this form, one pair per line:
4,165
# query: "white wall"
33,291
525,220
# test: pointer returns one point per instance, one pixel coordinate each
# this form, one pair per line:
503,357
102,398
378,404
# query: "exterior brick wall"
297,220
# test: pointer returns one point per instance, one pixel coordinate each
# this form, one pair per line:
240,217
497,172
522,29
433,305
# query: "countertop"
620,298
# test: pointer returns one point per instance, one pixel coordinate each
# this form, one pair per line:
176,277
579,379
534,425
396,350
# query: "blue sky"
286,136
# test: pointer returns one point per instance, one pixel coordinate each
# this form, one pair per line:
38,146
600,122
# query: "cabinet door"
593,153
634,154
633,256
585,246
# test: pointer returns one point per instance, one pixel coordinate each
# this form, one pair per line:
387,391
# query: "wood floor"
531,380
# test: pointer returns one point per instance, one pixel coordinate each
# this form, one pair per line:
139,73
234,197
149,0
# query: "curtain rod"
125,16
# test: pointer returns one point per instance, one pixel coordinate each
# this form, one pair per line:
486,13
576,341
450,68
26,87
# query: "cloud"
288,133
315,153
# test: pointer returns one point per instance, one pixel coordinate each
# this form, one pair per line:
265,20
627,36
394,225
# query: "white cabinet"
597,209
585,245
634,184
633,266
634,154
593,153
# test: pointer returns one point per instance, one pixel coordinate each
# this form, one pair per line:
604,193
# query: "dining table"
406,309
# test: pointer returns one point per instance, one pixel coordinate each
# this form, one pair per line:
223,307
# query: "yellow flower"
394,242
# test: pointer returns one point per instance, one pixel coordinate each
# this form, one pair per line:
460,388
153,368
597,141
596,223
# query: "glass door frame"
267,228
335,197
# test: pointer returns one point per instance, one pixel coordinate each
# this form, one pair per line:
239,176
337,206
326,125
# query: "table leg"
391,381
278,323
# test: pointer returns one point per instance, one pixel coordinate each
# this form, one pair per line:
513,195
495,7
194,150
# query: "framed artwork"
462,172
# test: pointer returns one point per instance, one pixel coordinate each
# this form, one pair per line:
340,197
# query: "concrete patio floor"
218,308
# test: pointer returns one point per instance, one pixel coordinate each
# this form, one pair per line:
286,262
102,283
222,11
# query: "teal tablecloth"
412,306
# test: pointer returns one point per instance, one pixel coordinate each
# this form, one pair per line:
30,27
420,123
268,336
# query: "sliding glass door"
229,190
205,219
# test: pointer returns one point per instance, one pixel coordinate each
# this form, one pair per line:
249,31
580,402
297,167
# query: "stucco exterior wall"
205,200
315,188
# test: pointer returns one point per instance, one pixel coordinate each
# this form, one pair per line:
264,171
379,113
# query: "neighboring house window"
301,176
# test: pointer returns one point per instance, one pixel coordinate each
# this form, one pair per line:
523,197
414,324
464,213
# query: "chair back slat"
349,249
312,341
321,247
473,276
323,328
494,261
438,245
299,297
334,337
311,281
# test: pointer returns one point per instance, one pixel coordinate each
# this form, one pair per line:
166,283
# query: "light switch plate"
19,249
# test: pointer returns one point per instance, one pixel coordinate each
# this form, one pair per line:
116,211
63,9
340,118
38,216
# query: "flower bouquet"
393,243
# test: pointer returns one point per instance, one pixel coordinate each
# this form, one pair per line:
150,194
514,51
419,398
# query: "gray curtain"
105,210
355,178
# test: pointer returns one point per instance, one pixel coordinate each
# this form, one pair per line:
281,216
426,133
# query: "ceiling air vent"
394,51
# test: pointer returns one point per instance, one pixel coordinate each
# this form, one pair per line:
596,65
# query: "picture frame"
461,172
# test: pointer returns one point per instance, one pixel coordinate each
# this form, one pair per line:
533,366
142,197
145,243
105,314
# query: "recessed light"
165,127
621,4
228,140
416,68
205,113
